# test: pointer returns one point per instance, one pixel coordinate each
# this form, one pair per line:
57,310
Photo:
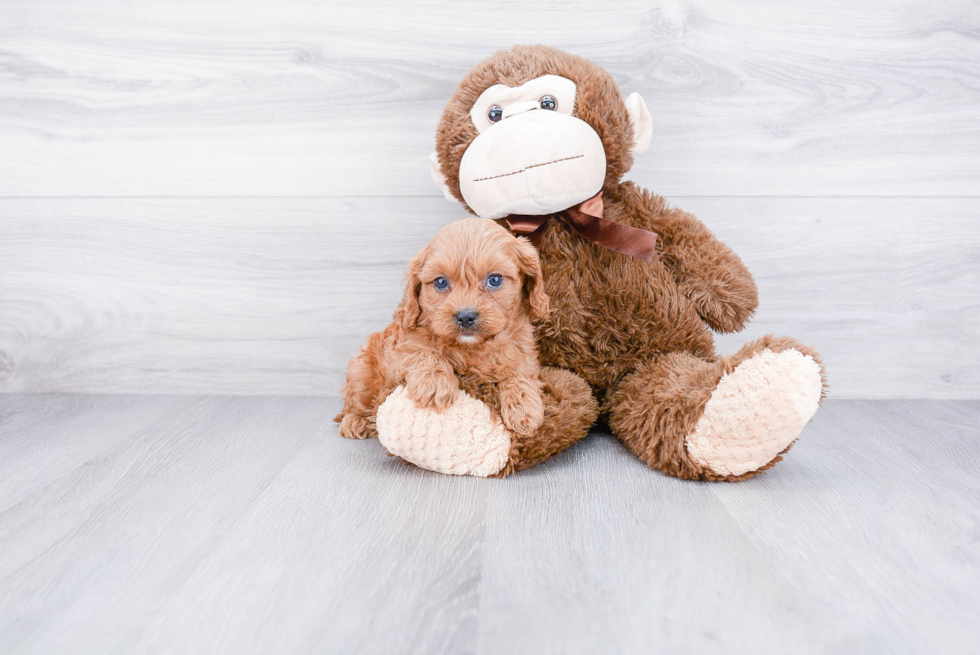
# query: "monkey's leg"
468,438
569,411
727,419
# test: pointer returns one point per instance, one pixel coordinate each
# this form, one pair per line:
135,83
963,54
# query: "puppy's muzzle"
466,318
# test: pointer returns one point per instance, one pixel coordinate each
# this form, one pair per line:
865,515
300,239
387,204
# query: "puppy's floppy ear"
530,265
409,311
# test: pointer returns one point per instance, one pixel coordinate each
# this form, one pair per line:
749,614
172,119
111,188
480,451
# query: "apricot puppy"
469,300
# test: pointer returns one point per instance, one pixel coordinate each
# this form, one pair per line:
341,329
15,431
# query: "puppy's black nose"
465,318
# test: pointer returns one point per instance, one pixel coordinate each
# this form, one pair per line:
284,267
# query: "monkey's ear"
409,311
530,265
438,177
642,123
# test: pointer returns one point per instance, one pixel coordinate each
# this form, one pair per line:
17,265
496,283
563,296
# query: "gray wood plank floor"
241,525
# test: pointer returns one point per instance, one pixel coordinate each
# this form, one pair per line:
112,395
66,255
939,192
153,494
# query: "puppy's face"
473,281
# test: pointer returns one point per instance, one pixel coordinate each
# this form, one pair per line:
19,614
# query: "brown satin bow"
586,219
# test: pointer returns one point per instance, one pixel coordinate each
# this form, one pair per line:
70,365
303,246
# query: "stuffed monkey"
540,140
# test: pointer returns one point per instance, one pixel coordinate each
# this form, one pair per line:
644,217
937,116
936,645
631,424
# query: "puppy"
469,300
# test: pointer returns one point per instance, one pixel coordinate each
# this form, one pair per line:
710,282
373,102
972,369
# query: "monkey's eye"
495,281
495,114
440,283
548,102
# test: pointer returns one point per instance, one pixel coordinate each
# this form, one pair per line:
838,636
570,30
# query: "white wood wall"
219,197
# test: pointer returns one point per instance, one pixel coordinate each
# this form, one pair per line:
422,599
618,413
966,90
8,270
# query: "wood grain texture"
246,525
109,98
253,512
867,525
273,296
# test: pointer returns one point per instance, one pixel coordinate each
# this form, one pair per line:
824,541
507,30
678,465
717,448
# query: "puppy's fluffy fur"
425,347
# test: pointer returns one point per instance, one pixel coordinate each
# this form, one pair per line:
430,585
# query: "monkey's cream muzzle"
532,162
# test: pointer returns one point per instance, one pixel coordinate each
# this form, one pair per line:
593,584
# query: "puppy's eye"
440,283
495,114
495,281
548,102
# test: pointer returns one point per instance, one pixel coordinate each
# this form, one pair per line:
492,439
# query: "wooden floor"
246,525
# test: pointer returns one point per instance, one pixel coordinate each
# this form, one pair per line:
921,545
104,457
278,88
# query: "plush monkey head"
534,130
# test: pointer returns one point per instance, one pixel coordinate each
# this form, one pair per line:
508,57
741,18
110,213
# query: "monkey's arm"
707,272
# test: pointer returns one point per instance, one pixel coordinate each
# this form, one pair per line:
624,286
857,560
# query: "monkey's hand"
707,272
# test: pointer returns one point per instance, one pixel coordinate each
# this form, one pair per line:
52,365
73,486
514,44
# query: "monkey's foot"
756,412
464,439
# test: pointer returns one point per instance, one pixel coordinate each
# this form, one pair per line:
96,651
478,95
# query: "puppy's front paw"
432,390
521,409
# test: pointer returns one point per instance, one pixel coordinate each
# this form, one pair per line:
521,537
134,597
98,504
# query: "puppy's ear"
530,265
409,311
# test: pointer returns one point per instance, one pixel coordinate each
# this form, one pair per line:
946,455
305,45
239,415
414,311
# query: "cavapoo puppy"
466,317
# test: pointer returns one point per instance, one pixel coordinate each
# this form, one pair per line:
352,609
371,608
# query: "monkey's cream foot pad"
756,411
464,439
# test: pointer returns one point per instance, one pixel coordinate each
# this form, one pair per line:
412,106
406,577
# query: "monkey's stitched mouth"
547,163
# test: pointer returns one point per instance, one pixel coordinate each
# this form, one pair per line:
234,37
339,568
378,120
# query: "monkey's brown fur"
639,332
425,349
